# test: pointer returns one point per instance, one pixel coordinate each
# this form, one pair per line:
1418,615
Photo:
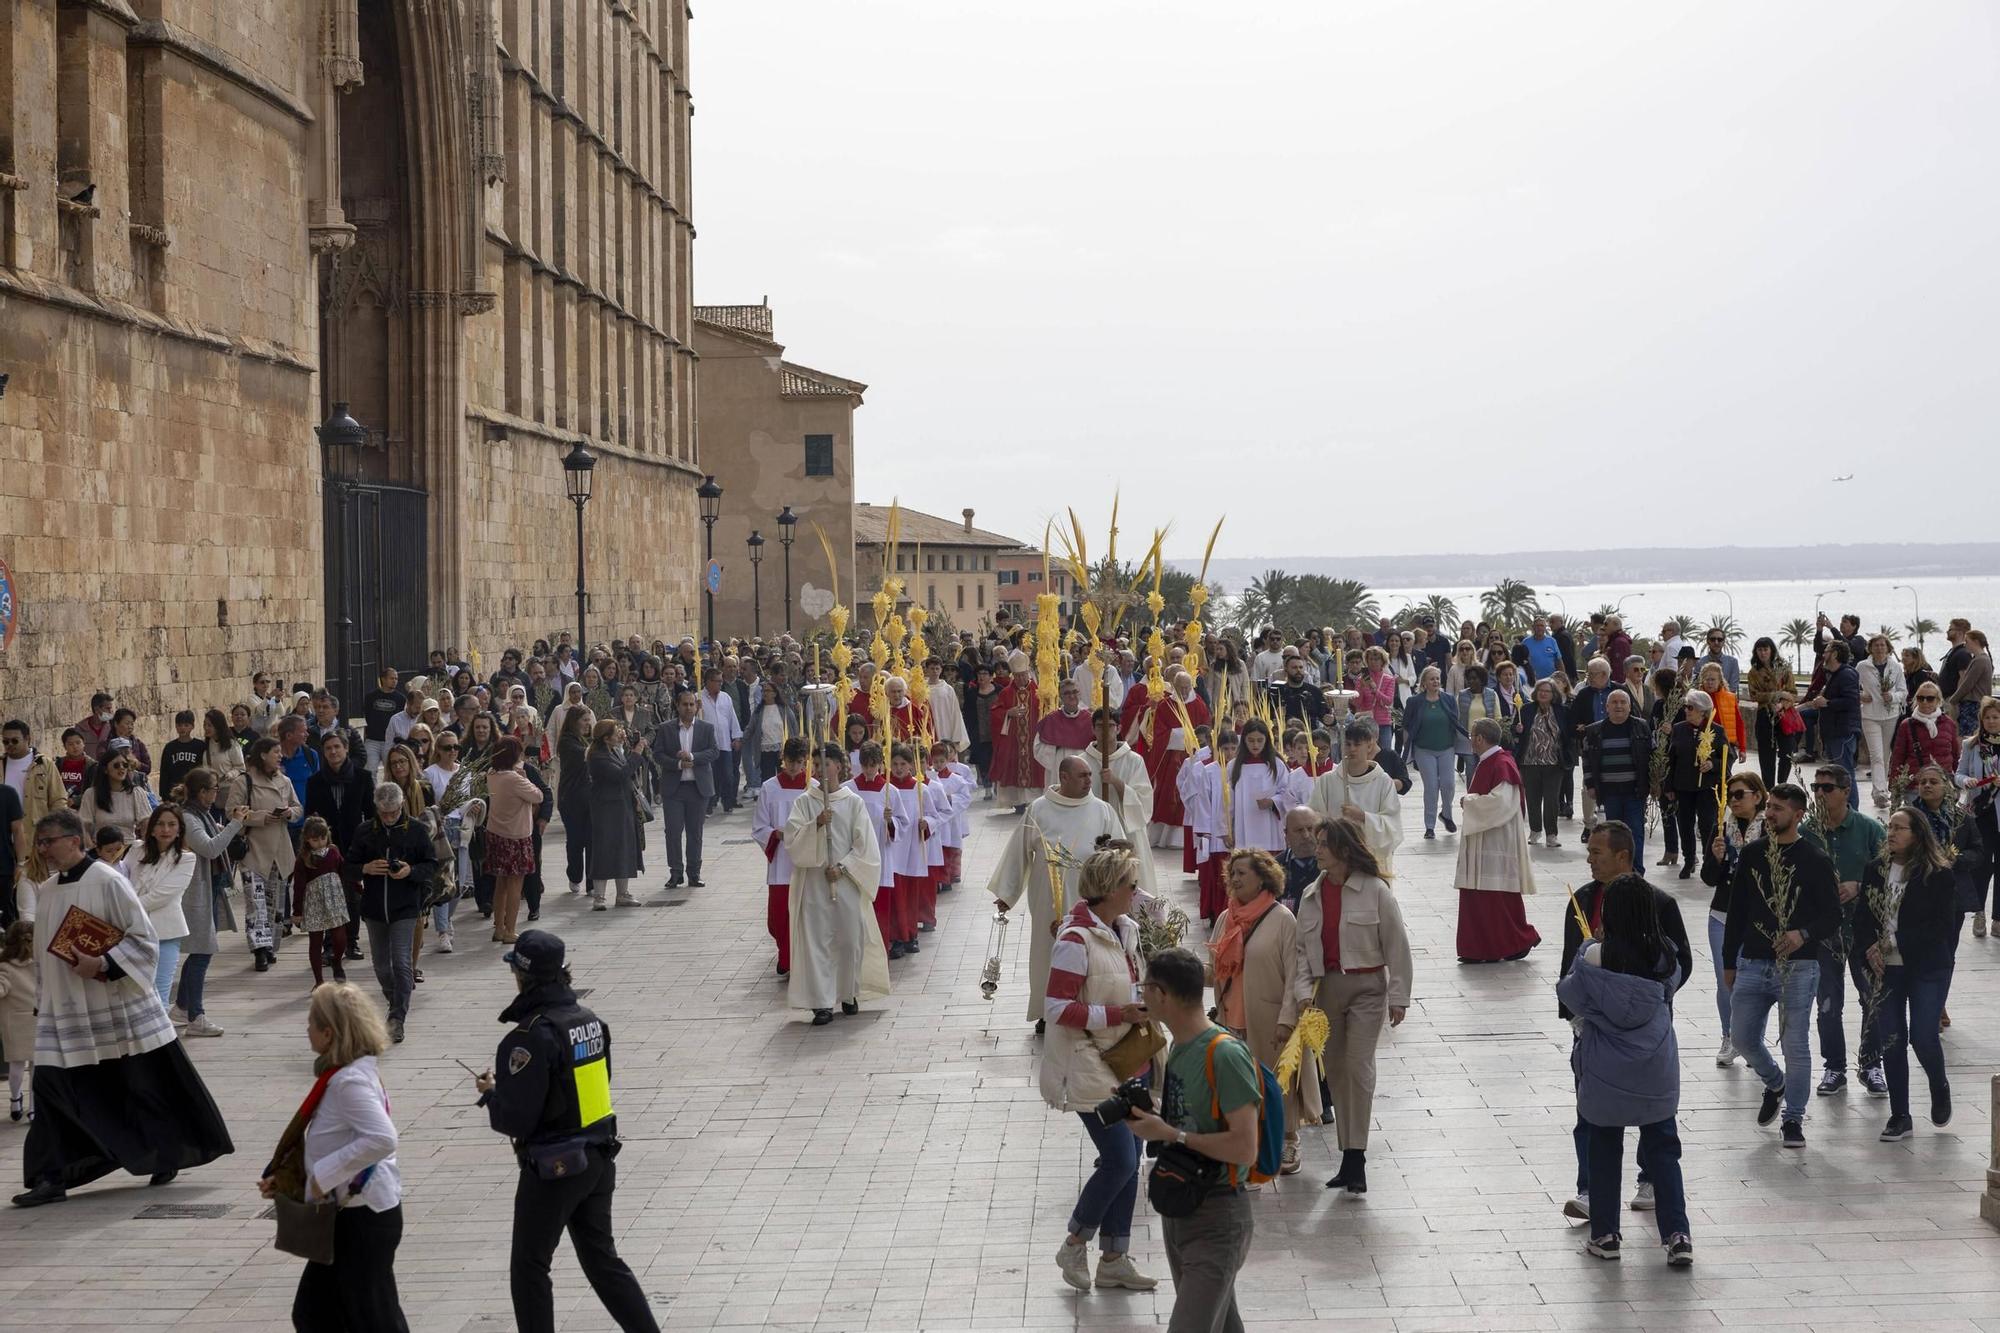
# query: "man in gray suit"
684,750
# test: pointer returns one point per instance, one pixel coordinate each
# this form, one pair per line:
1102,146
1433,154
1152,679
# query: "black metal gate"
377,568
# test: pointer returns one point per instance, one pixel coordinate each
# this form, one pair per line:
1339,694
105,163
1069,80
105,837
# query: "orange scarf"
1227,951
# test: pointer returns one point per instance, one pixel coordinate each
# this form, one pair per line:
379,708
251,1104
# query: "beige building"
1019,575
947,567
468,219
776,435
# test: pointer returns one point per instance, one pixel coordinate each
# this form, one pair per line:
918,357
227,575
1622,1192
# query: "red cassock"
1147,730
908,723
1493,926
1013,763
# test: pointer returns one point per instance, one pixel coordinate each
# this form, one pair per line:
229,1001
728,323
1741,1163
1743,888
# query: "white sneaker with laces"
444,943
1642,1198
1121,1272
1074,1260
1725,1054
201,1027
1577,1209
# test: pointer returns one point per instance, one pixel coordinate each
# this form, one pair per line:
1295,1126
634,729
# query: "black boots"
1353,1175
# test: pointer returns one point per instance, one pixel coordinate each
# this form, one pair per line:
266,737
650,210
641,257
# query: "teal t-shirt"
1186,1103
1434,729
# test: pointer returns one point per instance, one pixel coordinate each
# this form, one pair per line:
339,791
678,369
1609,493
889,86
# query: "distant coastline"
1638,564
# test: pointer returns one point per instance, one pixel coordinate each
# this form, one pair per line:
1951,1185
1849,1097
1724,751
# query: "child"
111,848
1218,816
857,737
871,784
182,755
954,782
775,799
17,1008
319,898
912,865
1299,773
73,765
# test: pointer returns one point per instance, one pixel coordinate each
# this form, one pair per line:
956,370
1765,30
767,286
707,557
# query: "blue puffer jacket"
1627,1063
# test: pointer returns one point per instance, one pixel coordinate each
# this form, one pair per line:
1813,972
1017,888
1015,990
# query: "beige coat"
41,791
271,853
1272,994
1074,1076
17,1010
1371,935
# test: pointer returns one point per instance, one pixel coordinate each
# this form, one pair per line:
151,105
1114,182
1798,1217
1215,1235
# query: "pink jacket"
1378,694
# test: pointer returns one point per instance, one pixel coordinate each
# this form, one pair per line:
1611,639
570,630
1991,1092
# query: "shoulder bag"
1181,1177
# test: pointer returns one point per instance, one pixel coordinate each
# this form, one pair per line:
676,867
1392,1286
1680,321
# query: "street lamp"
1730,595
1916,610
1830,592
711,509
340,434
1619,605
756,545
578,464
787,521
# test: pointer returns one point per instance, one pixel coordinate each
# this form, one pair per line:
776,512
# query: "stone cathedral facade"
467,219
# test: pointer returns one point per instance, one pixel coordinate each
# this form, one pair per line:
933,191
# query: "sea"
1759,606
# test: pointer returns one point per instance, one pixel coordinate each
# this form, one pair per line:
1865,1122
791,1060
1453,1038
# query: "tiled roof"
871,528
743,318
805,382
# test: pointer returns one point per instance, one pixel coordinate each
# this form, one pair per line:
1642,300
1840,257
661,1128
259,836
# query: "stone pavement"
898,1170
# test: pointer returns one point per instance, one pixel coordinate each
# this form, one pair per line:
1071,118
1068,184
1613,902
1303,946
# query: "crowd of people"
1274,764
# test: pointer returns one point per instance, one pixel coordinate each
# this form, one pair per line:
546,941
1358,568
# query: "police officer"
552,1097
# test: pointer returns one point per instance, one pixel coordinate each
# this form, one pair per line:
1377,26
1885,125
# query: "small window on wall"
961,596
981,590
819,455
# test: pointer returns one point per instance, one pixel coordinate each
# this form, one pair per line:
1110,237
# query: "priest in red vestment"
907,720
1017,778
1493,869
1153,728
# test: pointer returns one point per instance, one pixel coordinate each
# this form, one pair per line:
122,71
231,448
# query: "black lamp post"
756,545
340,434
711,509
578,465
787,521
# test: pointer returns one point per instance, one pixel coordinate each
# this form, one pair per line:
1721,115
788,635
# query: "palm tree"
1340,603
1919,628
1891,633
1732,632
1510,602
1265,598
1796,634
1439,608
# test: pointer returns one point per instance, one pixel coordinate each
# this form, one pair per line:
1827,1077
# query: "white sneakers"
1725,1054
1074,1260
201,1027
444,942
179,1016
1120,1272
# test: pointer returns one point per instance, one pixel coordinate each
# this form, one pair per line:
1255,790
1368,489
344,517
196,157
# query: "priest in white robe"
1128,790
1357,789
837,951
1493,868
947,716
1073,821
113,1088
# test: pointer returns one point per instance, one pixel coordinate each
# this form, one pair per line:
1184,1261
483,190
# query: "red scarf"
876,783
791,783
318,1093
1227,950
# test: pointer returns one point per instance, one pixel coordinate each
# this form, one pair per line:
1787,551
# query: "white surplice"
1374,792
1135,808
1493,841
837,951
1252,825
1073,825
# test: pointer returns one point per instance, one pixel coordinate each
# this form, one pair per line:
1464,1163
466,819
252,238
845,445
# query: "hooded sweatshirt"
1627,1063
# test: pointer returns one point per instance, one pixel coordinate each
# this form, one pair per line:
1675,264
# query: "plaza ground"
899,1171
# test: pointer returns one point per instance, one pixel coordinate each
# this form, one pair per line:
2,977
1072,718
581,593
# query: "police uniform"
552,1096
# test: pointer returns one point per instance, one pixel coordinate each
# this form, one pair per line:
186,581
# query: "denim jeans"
1757,990
1833,972
1385,735
389,947
1628,809
1659,1161
1440,782
194,971
1104,1209
1581,1134
163,974
1723,965
1912,1002
1840,750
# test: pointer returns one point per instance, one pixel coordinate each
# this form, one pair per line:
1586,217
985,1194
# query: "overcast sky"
1664,264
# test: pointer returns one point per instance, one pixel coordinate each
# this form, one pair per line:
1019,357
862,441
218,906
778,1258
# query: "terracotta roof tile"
754,319
871,528
805,382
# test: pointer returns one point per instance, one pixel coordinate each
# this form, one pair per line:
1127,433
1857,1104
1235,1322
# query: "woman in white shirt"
161,867
342,1146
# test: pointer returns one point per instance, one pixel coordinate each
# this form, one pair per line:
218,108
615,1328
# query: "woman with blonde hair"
1092,1001
1355,966
1253,965
341,1146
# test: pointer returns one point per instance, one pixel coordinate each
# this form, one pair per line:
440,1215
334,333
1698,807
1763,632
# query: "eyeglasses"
1740,793
54,838
1826,786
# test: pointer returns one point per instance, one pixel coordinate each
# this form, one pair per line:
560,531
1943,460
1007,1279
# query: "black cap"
536,952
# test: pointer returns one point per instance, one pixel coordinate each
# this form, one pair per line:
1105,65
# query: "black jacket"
1671,926
536,1093
1524,726
345,800
1815,912
384,898
1685,773
1926,924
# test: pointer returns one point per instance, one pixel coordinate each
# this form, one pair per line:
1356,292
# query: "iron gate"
377,537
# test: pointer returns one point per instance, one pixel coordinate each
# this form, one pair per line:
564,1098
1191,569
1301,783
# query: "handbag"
1133,1051
306,1229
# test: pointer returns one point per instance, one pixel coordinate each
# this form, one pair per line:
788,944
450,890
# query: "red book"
82,933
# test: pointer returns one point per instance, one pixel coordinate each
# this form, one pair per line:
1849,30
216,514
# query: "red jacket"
1915,746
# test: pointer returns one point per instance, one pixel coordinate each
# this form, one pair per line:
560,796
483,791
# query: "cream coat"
1074,1076
1272,994
1371,935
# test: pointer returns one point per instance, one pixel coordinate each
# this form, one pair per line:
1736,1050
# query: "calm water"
1760,607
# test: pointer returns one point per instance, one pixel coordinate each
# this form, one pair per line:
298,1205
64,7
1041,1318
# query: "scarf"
1930,721
1238,921
287,1167
791,781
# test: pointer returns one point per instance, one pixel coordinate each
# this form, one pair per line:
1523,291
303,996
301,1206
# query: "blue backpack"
1270,1117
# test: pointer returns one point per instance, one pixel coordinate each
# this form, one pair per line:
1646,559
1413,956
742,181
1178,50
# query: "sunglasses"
1826,786
1740,793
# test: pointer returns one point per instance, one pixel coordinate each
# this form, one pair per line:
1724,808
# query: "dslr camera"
1133,1094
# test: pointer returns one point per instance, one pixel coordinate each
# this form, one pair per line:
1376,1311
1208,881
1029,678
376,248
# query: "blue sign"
10,607
713,578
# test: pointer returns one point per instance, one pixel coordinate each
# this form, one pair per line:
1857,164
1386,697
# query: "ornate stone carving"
340,44
476,303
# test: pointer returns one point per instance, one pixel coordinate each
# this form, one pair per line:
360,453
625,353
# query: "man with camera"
1207,1127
